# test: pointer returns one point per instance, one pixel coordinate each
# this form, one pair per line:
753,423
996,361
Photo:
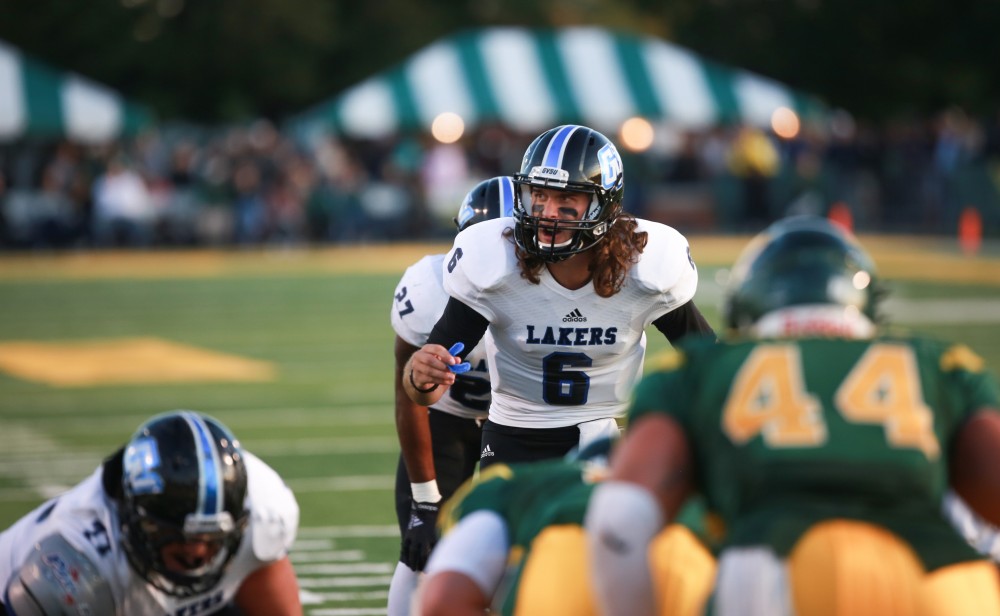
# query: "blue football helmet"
183,479
492,198
572,158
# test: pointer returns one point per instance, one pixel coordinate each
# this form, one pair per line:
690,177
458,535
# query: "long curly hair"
610,259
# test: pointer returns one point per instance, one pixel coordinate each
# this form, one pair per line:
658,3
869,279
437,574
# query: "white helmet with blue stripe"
183,480
573,158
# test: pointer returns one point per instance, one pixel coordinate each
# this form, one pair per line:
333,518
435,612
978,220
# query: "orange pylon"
840,214
970,230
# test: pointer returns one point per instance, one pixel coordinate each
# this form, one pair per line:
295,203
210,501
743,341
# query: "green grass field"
325,419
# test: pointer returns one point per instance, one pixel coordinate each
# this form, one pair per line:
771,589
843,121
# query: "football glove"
421,534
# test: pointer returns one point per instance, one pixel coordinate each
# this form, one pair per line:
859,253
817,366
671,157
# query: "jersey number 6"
564,387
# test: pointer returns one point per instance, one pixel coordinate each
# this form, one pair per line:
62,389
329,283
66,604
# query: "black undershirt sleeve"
683,320
459,323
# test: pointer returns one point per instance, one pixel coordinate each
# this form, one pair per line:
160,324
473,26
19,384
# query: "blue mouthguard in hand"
462,367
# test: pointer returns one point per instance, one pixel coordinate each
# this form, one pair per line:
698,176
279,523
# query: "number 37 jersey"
418,303
559,357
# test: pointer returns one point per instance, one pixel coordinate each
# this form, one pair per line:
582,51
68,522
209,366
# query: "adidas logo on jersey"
415,521
575,317
487,453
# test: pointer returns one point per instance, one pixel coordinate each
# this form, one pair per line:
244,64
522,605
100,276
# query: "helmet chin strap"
555,246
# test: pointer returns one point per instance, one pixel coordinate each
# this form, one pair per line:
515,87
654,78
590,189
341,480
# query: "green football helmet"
800,261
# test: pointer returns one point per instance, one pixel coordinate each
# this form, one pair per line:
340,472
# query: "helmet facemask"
148,539
597,219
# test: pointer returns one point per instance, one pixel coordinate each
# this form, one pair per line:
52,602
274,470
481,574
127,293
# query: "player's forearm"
452,594
621,521
412,425
270,591
650,477
414,432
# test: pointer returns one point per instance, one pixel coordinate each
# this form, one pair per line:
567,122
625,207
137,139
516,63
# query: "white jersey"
559,357
88,519
419,302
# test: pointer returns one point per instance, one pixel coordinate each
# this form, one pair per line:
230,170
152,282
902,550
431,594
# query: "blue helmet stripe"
506,196
557,146
210,475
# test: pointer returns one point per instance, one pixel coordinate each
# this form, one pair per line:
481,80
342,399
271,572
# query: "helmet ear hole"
183,480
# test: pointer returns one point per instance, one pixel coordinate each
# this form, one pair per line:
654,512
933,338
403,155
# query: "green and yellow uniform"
543,505
788,434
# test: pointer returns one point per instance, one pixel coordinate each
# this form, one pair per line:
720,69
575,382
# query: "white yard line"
358,483
312,446
342,581
299,556
349,611
308,545
313,532
349,569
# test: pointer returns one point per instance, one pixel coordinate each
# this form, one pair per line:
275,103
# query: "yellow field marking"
125,361
897,257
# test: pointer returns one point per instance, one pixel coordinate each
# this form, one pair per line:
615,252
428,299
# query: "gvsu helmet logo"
611,166
549,176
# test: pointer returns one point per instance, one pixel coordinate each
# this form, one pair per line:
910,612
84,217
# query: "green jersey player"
825,446
514,541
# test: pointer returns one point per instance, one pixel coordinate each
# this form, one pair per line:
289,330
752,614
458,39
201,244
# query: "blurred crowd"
255,185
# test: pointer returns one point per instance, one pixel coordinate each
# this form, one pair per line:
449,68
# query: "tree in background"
227,60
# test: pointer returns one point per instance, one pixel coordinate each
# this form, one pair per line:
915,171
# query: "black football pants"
455,441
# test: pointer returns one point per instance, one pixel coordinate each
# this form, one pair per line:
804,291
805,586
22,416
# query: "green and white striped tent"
37,101
530,80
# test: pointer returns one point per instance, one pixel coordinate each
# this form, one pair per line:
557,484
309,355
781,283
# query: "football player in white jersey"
180,521
440,445
563,293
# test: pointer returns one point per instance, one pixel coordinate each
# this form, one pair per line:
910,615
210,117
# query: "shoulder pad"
961,357
419,300
480,258
274,512
666,264
58,580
